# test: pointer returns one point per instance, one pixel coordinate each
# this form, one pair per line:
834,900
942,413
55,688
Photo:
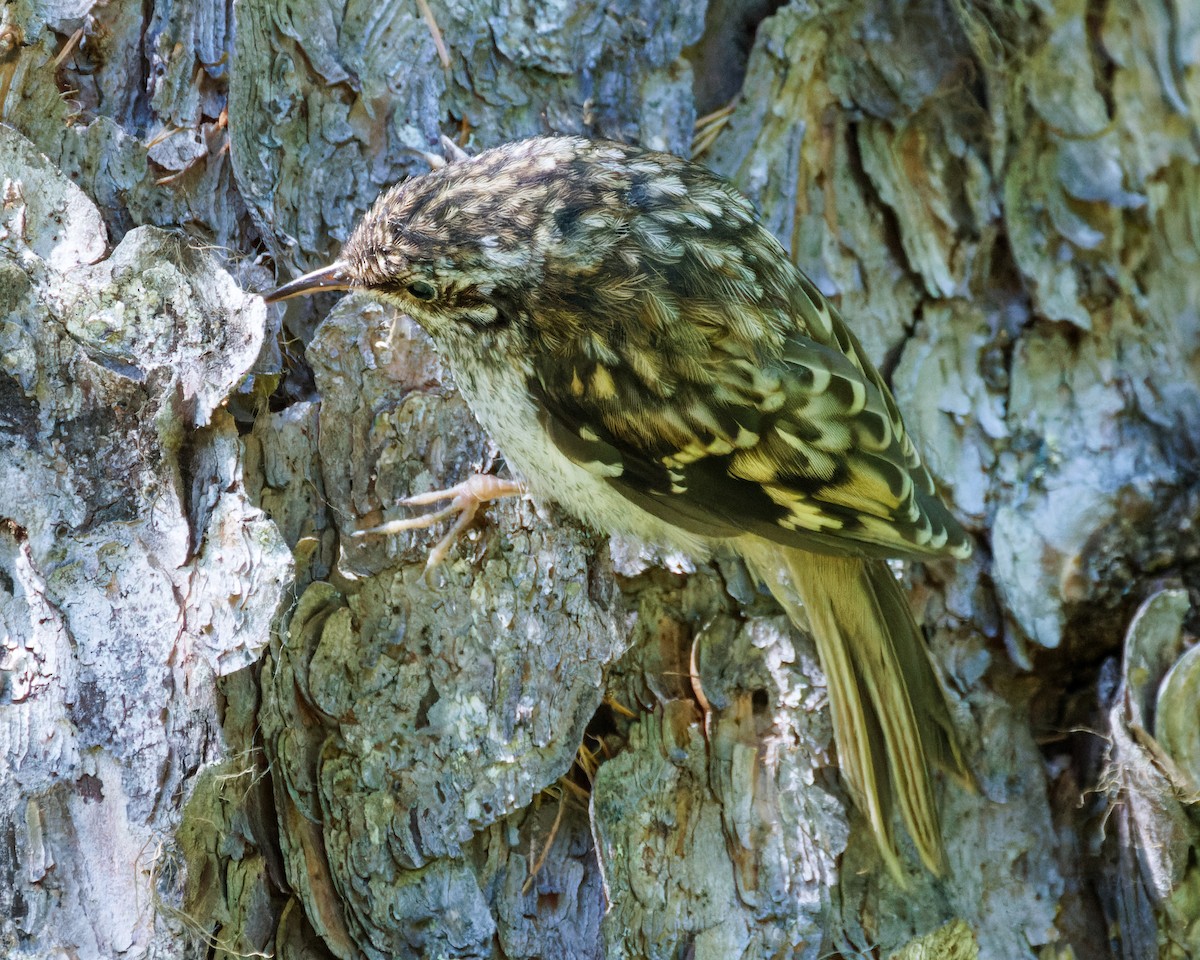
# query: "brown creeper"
645,353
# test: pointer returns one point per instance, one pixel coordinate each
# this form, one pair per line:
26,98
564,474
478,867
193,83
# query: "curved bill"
336,276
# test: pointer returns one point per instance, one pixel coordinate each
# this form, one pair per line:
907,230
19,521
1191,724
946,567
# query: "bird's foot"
465,500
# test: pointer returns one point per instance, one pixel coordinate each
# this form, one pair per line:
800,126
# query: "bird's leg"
465,499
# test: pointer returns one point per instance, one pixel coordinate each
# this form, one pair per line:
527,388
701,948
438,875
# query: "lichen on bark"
232,724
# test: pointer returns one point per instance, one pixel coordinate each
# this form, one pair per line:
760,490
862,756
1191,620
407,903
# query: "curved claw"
454,153
465,500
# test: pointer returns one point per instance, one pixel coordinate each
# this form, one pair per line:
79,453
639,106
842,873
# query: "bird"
646,354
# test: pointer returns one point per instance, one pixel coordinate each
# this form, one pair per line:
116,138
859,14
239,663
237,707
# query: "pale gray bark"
1006,202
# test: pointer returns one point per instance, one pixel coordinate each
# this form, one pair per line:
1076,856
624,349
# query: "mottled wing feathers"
822,471
758,413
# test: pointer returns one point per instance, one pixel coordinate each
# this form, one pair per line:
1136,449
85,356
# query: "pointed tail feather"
890,716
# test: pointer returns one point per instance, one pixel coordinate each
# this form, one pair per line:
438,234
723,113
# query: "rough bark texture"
232,728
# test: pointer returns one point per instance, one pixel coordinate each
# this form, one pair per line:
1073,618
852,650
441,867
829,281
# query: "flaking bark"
1005,201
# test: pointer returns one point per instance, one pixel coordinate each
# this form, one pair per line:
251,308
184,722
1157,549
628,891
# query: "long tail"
890,716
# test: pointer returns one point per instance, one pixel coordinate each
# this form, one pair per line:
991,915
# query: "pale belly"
501,403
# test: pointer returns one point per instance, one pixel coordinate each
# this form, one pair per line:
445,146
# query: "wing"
686,360
773,423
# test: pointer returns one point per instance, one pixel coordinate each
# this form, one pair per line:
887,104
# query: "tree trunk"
233,728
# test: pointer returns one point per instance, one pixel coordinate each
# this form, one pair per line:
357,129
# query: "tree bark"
232,727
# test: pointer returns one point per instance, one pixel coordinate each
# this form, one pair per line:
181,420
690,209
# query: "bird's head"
463,248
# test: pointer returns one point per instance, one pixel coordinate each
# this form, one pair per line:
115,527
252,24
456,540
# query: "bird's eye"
422,290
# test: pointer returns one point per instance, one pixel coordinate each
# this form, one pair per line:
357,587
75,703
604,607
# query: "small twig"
579,792
541,860
619,708
586,761
436,32
697,682
166,133
65,52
